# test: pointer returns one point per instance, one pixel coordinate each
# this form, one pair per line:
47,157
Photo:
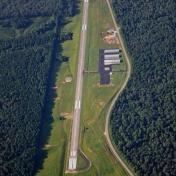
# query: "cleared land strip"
73,155
107,135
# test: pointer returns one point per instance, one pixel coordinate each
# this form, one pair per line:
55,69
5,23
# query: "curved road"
107,135
78,96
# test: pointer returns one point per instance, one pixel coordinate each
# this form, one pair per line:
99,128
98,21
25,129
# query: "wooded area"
143,121
25,68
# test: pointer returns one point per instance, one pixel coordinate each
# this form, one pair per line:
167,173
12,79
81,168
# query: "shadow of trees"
56,60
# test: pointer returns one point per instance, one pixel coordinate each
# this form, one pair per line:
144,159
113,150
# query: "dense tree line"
25,66
19,13
26,8
32,8
143,122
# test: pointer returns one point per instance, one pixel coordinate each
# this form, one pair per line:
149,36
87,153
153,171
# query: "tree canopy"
143,121
25,67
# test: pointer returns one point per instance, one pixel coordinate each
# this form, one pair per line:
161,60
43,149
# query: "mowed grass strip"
96,98
57,142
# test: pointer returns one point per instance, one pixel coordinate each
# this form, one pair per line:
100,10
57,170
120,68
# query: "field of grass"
56,145
96,98
96,101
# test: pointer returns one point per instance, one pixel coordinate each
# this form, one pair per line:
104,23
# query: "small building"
111,57
111,62
111,51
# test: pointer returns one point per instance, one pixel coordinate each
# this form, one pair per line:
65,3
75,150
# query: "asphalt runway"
78,95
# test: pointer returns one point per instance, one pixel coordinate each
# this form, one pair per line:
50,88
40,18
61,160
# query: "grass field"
97,98
56,145
96,101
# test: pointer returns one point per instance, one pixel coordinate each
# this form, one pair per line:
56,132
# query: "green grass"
56,145
96,101
55,149
83,163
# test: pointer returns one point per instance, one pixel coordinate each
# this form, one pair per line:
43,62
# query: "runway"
78,95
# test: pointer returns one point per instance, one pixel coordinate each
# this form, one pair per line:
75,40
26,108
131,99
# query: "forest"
25,68
143,121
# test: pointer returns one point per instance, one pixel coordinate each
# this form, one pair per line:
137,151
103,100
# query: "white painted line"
73,153
76,103
84,27
72,163
70,166
79,104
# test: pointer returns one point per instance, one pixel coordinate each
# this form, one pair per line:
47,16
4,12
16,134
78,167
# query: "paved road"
78,96
117,95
